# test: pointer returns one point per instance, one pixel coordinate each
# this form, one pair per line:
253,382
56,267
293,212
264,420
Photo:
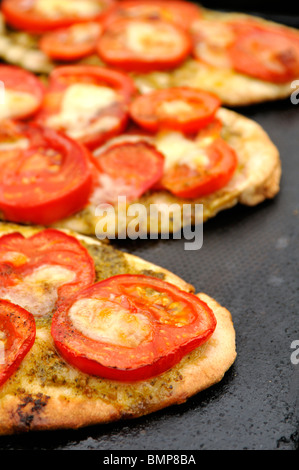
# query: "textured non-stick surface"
249,263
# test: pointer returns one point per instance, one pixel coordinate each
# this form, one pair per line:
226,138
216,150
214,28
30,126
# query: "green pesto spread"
45,370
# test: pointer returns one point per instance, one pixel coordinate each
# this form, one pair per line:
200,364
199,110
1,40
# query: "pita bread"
46,393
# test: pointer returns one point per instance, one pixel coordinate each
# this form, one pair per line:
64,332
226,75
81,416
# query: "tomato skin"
72,73
114,51
159,352
19,328
147,110
61,44
47,247
17,79
213,129
33,22
65,76
45,199
178,12
270,54
186,183
137,165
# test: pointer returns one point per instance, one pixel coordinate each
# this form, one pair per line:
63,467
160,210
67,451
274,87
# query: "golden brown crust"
234,89
260,159
49,394
41,412
44,410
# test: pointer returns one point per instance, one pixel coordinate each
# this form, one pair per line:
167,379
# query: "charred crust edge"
29,408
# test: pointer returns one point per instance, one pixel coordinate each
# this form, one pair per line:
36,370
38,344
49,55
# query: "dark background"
249,263
260,6
285,12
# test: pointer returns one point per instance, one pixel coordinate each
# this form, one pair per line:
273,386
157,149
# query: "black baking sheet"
249,263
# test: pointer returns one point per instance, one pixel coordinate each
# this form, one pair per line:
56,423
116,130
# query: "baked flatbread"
256,179
233,88
46,393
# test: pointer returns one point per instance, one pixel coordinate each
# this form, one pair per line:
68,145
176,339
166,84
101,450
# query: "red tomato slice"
196,181
213,129
87,103
42,271
44,176
72,43
17,330
131,327
38,16
143,45
182,109
24,93
126,169
179,12
269,54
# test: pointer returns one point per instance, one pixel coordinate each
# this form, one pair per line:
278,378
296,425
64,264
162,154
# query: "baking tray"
249,263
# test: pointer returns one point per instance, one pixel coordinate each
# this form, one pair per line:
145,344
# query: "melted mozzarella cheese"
60,8
81,104
146,38
18,144
13,257
214,38
177,108
177,149
38,292
85,32
16,103
107,322
52,274
109,190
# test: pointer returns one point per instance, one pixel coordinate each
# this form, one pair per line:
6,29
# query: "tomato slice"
17,336
72,43
23,93
182,109
42,271
44,176
87,103
193,179
211,39
38,16
269,54
126,169
213,129
131,327
143,45
178,12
